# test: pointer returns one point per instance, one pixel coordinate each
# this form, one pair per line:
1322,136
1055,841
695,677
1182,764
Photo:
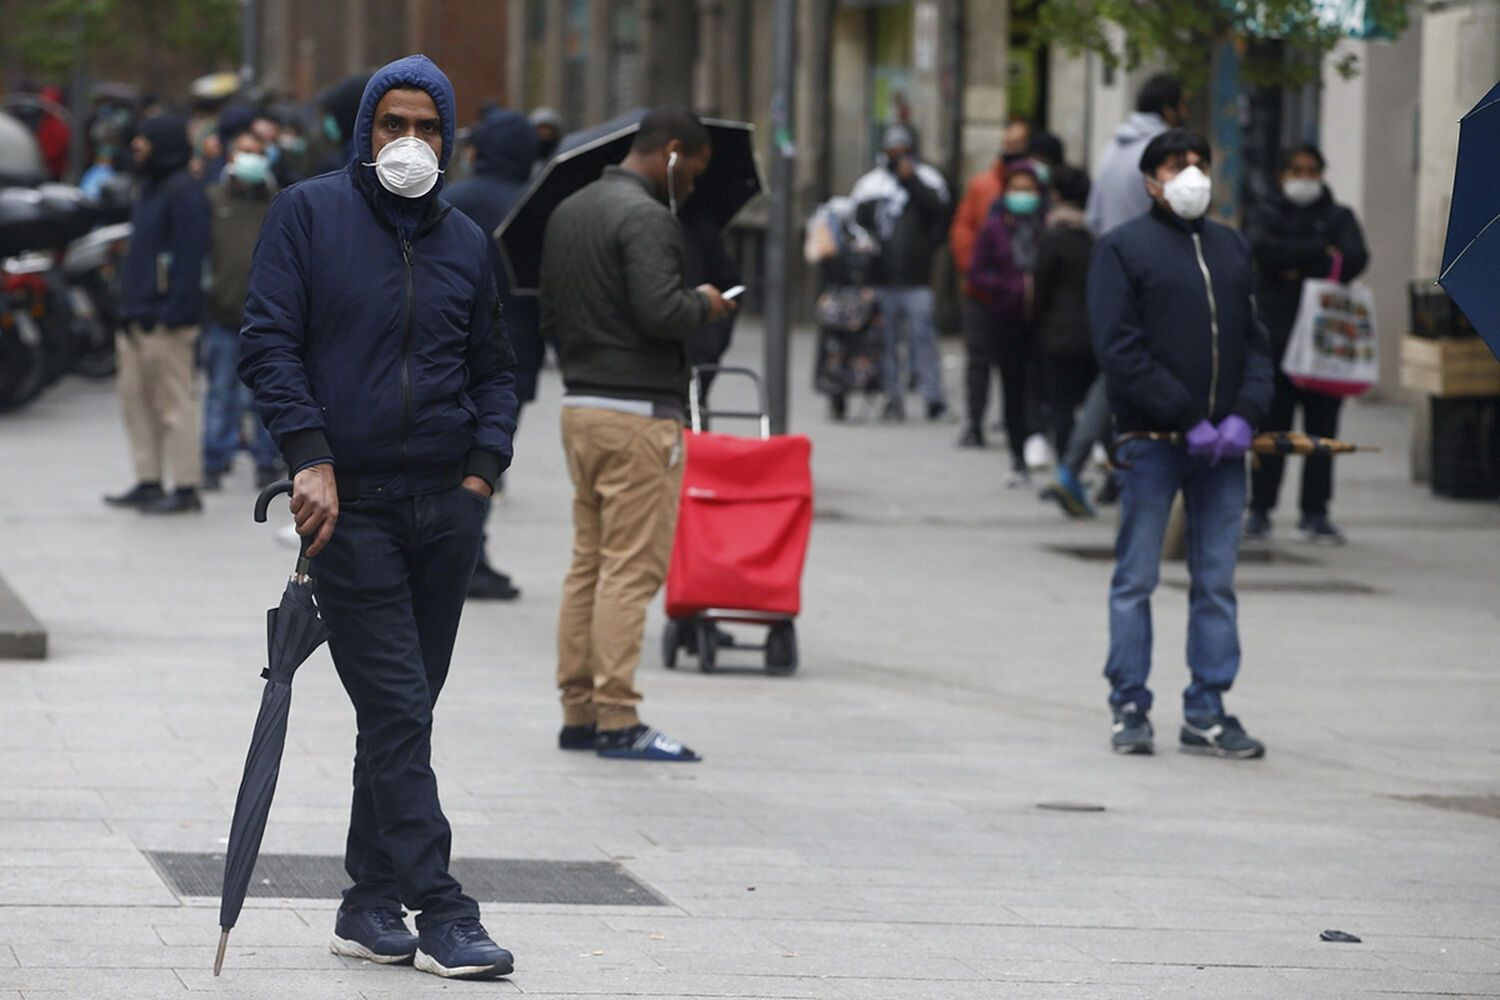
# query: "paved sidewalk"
867,829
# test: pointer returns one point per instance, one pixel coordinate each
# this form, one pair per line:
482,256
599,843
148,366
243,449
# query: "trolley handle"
697,413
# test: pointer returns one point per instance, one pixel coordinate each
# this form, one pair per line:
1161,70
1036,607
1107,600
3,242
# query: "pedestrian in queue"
239,201
161,307
1015,141
548,125
1061,321
707,262
1000,285
613,297
1299,232
980,332
904,202
1116,197
1188,367
373,341
502,148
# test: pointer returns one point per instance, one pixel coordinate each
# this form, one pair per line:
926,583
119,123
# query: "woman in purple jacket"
1000,280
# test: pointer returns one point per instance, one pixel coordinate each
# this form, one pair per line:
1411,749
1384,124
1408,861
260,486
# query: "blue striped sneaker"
642,743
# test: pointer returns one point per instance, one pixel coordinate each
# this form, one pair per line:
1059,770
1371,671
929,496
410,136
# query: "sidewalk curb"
22,637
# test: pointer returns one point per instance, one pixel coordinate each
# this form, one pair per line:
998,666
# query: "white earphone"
672,159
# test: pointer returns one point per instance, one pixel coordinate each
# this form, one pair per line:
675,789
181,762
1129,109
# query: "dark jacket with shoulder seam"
1060,306
161,278
372,331
238,211
1153,320
1290,244
613,293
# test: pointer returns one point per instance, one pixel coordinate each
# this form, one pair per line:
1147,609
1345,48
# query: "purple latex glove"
1234,438
1202,440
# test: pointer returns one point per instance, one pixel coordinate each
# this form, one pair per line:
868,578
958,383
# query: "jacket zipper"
1213,325
406,260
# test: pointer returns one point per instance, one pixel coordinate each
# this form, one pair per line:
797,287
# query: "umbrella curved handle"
267,495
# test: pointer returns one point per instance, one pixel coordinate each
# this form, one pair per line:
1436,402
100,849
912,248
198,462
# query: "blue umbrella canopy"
1471,252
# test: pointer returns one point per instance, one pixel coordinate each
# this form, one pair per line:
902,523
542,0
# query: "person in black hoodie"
161,307
1300,232
502,148
1188,369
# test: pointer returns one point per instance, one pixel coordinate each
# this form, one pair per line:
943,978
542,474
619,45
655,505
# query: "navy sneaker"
373,935
642,743
1132,732
1219,736
1257,526
1318,530
577,738
462,949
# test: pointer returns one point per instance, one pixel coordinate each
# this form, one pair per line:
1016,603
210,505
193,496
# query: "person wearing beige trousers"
161,305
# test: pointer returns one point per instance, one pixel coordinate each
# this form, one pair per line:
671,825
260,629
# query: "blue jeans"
391,587
1215,500
225,404
908,310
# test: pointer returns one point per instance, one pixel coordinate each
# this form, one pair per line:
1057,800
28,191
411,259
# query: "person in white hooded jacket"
1117,195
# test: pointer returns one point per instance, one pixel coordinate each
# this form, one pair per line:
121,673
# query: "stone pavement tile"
827,965
368,980
1426,954
608,983
258,926
1364,983
135,885
879,989
93,982
874,937
56,833
1222,948
239,956
8,957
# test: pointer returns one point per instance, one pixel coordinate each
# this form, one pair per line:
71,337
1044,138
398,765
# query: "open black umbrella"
293,630
1471,252
731,180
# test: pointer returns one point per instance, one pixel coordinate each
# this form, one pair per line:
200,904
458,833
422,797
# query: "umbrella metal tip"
219,958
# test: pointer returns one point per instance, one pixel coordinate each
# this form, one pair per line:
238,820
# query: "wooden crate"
1447,367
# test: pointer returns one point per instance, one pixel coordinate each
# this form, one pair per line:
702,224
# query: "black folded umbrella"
731,180
293,631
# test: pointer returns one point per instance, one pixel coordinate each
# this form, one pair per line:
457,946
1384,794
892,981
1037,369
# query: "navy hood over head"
505,145
170,149
372,334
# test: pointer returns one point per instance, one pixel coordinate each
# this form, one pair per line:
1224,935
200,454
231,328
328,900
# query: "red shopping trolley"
742,529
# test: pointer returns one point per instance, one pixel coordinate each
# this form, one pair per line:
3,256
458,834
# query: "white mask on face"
1302,192
1189,193
406,167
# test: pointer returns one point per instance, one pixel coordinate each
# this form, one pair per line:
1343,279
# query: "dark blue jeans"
1215,500
391,585
225,405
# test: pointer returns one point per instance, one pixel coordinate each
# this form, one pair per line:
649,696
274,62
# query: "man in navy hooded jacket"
1188,370
373,343
503,147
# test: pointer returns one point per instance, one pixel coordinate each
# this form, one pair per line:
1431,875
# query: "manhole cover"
488,880
1478,805
1291,586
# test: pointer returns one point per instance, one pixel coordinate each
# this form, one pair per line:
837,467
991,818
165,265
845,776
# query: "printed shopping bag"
1332,349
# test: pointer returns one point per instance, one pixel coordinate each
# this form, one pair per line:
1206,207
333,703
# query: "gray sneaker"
1132,731
1220,736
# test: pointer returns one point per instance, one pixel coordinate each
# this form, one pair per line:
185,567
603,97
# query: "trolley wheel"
671,642
781,649
708,646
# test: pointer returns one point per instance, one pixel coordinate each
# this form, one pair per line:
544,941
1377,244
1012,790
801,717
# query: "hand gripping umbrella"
1471,251
1269,443
293,631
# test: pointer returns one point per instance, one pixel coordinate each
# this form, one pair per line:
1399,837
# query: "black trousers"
1067,381
391,587
1320,416
992,341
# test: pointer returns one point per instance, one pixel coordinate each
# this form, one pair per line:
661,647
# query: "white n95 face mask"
1302,191
406,167
1189,193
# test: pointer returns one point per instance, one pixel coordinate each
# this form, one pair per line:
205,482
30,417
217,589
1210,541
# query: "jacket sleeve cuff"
302,449
484,464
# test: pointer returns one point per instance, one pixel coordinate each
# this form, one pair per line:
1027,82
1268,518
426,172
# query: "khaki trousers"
627,472
158,395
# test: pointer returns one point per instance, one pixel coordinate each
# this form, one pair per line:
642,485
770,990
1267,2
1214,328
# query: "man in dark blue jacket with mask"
161,307
373,342
502,148
1188,368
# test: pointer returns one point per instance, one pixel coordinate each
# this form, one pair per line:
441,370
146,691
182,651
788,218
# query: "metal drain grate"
1341,587
488,880
1479,805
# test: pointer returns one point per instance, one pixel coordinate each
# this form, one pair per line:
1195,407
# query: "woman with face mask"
1000,280
1299,232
